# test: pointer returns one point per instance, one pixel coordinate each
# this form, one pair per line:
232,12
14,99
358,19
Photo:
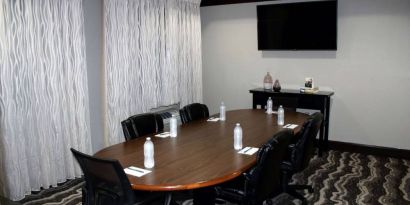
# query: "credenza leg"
321,134
327,116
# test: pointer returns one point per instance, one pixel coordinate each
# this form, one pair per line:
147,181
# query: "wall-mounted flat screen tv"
298,26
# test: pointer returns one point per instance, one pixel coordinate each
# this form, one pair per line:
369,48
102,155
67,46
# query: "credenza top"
291,91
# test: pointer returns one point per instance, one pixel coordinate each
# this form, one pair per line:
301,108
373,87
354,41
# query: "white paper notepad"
213,119
135,171
248,150
163,135
290,126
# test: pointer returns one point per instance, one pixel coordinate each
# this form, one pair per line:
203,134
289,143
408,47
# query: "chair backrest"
105,181
142,124
194,111
264,180
304,147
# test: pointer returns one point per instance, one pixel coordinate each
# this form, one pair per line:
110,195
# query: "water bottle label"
149,162
281,116
222,115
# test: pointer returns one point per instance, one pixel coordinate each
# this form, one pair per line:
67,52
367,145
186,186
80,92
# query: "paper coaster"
163,135
248,150
135,171
213,119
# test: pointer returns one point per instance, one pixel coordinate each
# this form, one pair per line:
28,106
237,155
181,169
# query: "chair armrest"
230,194
249,179
291,148
286,166
292,151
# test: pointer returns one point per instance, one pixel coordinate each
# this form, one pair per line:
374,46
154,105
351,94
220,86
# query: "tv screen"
298,26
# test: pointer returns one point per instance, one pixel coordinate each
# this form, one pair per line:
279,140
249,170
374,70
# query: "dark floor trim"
369,149
223,2
4,201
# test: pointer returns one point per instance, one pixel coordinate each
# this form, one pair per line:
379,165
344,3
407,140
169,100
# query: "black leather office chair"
263,181
142,124
300,153
106,182
194,111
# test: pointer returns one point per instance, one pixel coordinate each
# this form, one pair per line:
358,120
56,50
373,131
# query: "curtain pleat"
43,94
152,57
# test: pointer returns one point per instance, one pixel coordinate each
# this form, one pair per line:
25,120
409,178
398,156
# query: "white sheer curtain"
152,57
43,94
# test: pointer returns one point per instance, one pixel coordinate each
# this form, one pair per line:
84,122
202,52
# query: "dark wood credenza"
316,101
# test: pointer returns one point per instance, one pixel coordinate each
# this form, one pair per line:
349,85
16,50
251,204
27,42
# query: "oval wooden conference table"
202,154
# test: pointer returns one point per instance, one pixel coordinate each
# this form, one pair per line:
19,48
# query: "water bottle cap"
222,103
148,138
280,105
237,124
173,115
269,98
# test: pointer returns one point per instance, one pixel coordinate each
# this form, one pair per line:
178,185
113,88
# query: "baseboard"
369,149
223,2
4,201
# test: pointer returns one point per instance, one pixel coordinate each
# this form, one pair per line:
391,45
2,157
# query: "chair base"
204,196
168,199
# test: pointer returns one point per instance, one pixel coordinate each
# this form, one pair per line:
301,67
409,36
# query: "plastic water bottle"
237,137
269,106
149,153
173,126
281,116
222,115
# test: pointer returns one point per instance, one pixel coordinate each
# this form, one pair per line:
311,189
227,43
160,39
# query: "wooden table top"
202,154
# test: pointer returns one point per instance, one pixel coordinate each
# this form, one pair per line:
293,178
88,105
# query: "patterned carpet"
351,178
68,193
337,178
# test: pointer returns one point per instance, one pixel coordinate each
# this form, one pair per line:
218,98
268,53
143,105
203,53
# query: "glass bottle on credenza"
267,82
